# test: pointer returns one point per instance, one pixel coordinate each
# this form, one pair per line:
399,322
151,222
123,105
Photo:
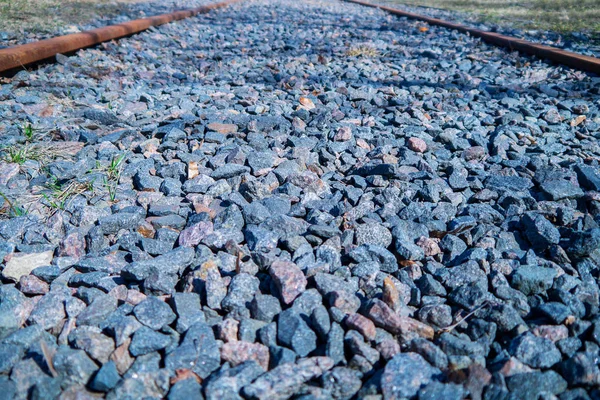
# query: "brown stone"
505,267
149,147
146,230
119,293
577,120
192,169
238,351
389,159
201,207
363,144
298,124
182,374
224,129
306,103
97,345
310,182
289,280
413,271
391,296
78,393
410,327
121,357
383,316
362,325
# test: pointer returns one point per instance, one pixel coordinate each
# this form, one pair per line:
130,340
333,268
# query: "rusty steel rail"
22,55
568,58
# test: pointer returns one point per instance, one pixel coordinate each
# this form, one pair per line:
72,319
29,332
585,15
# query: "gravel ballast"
307,200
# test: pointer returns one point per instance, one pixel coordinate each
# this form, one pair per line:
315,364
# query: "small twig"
48,358
238,262
450,328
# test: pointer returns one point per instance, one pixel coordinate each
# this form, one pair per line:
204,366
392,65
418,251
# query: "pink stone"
552,332
30,284
430,246
73,245
289,280
227,330
384,317
343,134
298,124
344,300
237,352
135,297
362,324
119,293
193,235
474,153
388,348
512,366
417,145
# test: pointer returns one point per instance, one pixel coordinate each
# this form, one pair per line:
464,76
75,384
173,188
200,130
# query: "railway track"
568,58
282,199
20,56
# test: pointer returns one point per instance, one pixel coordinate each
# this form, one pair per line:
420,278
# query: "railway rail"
22,55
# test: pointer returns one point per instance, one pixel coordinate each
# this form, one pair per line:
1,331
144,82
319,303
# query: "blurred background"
28,20
563,16
23,20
